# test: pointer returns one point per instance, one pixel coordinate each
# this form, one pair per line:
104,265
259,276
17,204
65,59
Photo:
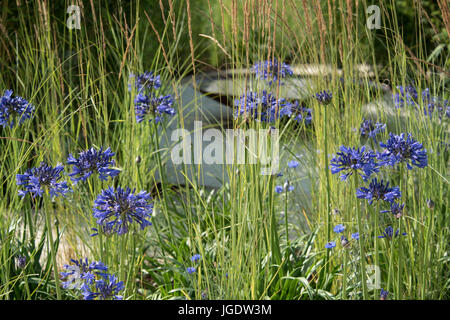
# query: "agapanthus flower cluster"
147,102
324,97
196,257
92,161
106,288
389,233
285,187
92,280
355,236
191,270
371,129
147,80
339,228
330,245
354,160
300,113
403,148
117,209
14,110
81,273
40,179
272,70
406,96
293,164
431,104
21,261
434,104
377,190
396,209
383,294
265,107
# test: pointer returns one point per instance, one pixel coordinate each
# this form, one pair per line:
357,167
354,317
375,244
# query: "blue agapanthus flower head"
146,81
324,97
300,113
40,179
396,209
406,96
435,105
403,148
247,106
92,161
377,190
14,110
330,245
274,109
354,160
106,288
371,129
117,209
81,273
339,228
383,294
272,70
21,261
191,270
389,233
152,105
293,164
261,107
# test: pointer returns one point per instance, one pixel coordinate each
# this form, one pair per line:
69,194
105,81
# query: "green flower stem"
362,254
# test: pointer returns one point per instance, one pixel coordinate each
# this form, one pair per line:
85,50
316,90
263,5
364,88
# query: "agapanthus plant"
383,294
106,288
14,110
272,70
191,270
153,106
92,161
293,164
406,96
117,209
276,109
389,233
81,273
339,228
146,81
377,190
40,179
354,160
403,148
330,245
435,105
300,113
324,97
371,129
264,107
396,209
147,102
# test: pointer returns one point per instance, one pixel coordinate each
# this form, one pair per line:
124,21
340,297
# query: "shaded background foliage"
434,40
